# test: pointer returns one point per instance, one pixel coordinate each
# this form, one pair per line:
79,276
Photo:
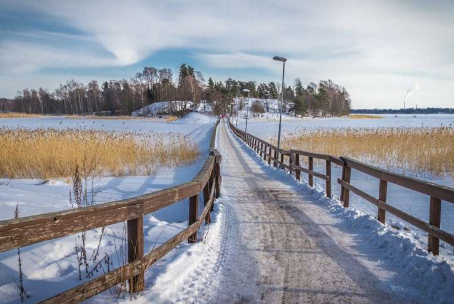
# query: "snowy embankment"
52,267
409,201
162,108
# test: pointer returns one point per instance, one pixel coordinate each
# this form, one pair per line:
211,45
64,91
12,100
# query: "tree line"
121,97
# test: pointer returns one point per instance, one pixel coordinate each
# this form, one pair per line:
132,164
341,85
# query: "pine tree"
299,89
272,89
190,70
183,73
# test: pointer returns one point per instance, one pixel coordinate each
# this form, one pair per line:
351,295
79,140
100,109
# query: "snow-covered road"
278,246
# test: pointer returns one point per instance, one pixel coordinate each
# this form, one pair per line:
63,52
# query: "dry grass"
18,115
120,117
171,118
362,116
52,153
24,115
422,149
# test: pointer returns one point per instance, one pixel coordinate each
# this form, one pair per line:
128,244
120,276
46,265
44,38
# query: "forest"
121,97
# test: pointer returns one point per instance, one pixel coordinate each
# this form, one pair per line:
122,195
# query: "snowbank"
162,108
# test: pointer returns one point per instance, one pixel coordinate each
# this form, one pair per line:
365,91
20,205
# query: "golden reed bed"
52,153
419,149
120,117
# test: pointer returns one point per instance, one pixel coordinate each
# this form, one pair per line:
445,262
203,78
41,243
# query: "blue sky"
377,49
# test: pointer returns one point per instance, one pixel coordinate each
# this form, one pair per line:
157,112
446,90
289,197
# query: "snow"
270,105
161,108
265,128
411,202
53,263
395,256
220,267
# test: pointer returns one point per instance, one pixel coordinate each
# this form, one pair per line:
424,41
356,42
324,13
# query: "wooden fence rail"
29,230
291,160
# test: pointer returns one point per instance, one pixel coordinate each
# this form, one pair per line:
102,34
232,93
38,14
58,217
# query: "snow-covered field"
267,127
53,264
409,201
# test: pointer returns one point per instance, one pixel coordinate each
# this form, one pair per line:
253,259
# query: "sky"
377,50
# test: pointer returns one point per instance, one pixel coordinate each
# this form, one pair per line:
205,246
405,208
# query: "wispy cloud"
347,40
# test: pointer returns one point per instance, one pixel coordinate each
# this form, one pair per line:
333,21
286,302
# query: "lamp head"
277,58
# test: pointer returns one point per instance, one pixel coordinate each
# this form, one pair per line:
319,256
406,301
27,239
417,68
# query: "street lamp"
247,108
283,60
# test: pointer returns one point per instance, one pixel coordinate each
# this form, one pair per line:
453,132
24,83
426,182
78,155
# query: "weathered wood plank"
98,285
328,180
311,169
382,192
435,220
346,175
431,229
205,173
193,207
135,252
305,170
431,189
163,249
311,154
295,166
170,196
55,227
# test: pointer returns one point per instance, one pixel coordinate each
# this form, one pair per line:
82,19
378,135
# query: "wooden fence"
290,160
29,230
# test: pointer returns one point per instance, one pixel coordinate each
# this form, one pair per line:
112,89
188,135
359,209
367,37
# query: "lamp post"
247,108
283,60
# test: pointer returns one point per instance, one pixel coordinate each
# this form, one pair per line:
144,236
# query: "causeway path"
278,246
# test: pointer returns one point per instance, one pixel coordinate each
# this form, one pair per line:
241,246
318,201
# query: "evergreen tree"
211,87
272,89
183,73
299,89
190,70
300,107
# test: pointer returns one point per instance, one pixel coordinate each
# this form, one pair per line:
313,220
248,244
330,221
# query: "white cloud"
356,43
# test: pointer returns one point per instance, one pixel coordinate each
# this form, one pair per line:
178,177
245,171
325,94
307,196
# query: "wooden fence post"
282,161
206,198
135,252
210,183
297,172
193,208
328,181
269,156
346,175
276,156
311,167
261,149
341,198
382,192
217,174
290,161
434,220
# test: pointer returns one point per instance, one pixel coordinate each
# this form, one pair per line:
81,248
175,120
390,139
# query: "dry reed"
171,118
18,115
52,153
421,149
94,117
363,116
